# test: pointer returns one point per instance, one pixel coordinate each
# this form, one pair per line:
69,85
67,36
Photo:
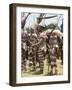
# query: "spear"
47,17
41,17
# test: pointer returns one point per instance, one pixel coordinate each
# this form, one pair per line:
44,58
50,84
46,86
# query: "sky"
32,19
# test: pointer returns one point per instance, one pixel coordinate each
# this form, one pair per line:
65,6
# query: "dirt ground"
46,70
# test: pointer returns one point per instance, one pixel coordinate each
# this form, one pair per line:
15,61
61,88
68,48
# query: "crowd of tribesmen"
36,48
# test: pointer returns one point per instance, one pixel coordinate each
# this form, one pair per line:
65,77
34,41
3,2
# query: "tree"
62,26
23,22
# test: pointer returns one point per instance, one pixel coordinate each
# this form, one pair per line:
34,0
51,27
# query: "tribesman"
32,56
52,59
39,52
52,50
24,51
